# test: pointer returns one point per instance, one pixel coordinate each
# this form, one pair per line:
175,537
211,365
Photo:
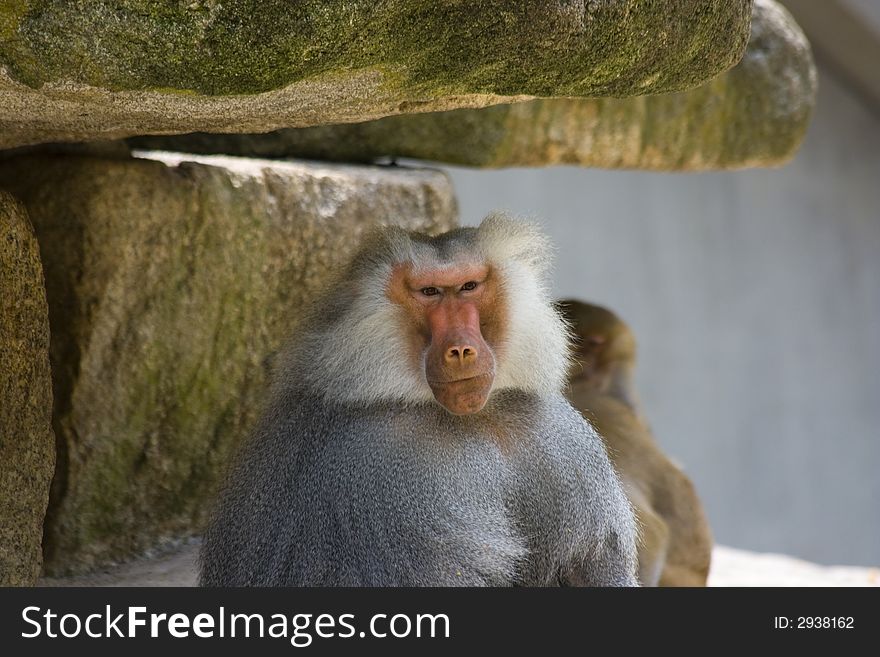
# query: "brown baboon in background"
417,434
675,541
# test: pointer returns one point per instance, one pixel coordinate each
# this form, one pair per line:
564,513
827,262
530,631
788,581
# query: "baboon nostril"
460,354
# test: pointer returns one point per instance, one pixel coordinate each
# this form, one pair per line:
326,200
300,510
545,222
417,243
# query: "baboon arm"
653,546
612,566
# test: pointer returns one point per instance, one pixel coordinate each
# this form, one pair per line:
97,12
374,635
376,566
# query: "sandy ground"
730,567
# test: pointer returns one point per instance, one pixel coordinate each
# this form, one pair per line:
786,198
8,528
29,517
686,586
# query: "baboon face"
601,341
454,315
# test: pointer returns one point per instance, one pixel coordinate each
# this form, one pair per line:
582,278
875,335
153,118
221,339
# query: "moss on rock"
101,69
249,46
27,444
756,114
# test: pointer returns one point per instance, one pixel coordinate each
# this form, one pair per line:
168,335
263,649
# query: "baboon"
416,434
675,544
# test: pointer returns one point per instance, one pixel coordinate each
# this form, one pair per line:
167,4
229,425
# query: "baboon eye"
430,291
470,285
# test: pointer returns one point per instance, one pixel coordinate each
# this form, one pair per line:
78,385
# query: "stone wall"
27,446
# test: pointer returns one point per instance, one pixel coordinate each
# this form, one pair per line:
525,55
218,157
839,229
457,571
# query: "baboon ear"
502,237
379,250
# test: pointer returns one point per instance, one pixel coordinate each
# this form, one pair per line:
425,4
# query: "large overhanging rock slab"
27,445
754,115
79,71
170,288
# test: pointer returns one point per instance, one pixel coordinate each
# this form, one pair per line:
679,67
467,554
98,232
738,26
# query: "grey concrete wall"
756,299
